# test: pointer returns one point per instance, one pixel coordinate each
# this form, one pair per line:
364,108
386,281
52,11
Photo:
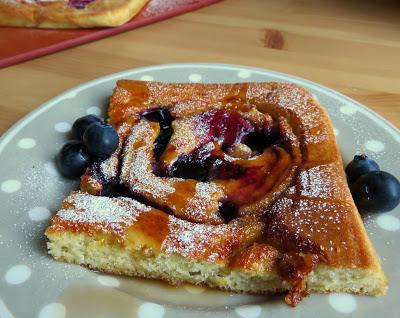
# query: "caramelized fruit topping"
223,130
228,160
79,4
164,118
228,210
224,127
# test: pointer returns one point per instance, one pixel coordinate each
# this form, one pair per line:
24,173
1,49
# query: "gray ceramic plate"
33,285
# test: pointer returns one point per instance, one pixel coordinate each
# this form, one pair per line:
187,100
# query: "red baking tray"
21,44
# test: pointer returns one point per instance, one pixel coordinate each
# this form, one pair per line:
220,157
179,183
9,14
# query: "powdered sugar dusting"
198,202
314,184
212,242
184,138
207,194
142,179
137,171
109,167
322,182
114,213
164,6
298,103
322,222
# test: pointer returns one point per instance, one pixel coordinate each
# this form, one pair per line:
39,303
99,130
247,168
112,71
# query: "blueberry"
114,189
80,125
101,140
360,165
164,118
223,169
73,159
376,191
160,115
187,167
228,211
258,141
162,141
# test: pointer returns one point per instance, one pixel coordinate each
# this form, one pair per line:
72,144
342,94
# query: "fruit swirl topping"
195,166
79,4
212,167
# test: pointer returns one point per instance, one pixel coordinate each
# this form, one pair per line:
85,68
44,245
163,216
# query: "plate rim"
19,125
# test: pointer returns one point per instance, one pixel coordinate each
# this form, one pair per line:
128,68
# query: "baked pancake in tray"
68,13
232,186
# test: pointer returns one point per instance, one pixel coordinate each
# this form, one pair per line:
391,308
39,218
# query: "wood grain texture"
353,47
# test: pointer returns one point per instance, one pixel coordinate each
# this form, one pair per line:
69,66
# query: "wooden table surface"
350,46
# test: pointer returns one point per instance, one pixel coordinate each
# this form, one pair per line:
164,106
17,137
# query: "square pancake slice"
238,187
68,13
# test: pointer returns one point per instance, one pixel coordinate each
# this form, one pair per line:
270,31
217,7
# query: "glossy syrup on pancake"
243,180
249,179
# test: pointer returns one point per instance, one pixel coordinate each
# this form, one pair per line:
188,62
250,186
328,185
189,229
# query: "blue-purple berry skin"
360,165
101,140
73,159
376,191
81,124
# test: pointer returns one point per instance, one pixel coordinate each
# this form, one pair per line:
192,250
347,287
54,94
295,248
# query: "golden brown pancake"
247,194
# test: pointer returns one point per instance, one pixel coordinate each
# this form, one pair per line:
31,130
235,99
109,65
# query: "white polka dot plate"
33,285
